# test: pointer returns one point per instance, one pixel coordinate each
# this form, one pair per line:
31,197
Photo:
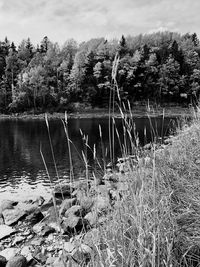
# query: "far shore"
137,112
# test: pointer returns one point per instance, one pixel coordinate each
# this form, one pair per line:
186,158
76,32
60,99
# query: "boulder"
12,216
101,204
86,203
6,231
35,217
92,218
3,261
9,253
92,238
82,255
73,224
66,204
68,247
42,229
27,253
75,210
17,261
7,204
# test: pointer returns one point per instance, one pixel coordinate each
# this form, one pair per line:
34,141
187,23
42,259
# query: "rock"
48,204
82,255
17,261
73,224
18,239
12,216
7,204
66,204
27,208
68,247
52,219
35,217
43,229
59,263
27,253
5,231
75,210
63,190
86,203
37,242
102,204
9,253
50,261
2,261
37,200
92,238
92,218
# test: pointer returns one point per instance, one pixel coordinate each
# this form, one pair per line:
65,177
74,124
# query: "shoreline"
137,112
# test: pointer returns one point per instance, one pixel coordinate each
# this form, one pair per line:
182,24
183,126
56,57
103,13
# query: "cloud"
84,19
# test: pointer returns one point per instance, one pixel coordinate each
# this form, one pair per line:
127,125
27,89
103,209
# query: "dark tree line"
159,67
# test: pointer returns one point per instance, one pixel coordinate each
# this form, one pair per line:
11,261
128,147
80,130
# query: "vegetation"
159,67
157,222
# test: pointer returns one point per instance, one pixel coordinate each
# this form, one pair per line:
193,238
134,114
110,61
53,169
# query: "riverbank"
137,112
144,212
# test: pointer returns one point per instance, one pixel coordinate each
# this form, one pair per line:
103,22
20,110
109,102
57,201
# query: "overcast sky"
85,19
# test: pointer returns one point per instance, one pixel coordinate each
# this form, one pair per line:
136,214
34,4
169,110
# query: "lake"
22,172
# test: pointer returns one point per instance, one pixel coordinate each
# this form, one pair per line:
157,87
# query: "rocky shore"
62,231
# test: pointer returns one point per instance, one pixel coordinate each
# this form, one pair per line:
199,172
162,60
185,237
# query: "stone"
6,231
7,204
92,237
68,247
12,216
9,253
92,218
18,239
17,261
42,229
27,253
72,224
75,210
66,204
37,242
101,204
35,217
3,261
82,254
86,203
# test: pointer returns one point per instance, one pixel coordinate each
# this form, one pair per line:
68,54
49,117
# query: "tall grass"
157,221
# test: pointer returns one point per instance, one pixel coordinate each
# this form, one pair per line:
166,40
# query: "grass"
157,222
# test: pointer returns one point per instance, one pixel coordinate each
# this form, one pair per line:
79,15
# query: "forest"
160,67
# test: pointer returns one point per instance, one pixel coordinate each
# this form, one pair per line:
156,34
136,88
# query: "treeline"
160,67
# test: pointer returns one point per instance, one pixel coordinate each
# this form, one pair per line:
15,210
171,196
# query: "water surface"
22,172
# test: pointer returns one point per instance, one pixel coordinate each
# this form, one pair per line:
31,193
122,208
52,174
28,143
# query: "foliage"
161,67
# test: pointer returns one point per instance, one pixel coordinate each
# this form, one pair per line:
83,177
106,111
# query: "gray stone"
68,247
75,210
17,261
9,253
92,218
12,216
6,231
35,217
42,229
66,204
7,204
27,253
102,204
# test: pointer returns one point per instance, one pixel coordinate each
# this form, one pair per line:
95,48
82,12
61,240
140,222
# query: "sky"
82,20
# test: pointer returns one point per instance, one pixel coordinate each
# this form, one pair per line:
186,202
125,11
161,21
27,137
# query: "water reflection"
21,166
